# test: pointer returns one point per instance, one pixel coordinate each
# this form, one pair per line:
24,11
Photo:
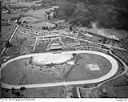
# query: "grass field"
6,32
16,73
52,92
82,72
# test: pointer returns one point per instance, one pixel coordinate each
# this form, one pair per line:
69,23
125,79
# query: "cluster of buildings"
38,18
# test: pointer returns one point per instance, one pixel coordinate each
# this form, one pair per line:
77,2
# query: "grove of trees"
107,13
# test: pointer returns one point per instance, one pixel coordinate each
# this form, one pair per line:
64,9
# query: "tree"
17,93
22,88
13,90
8,44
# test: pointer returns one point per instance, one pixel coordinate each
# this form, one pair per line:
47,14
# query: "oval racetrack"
113,71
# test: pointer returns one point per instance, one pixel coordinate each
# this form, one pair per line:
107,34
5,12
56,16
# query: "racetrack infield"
81,71
14,72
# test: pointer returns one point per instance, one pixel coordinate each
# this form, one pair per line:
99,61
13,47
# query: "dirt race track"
75,77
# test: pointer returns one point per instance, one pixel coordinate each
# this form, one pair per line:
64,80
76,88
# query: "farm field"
6,32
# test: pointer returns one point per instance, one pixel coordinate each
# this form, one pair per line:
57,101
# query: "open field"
50,92
6,32
8,16
82,70
16,73
37,13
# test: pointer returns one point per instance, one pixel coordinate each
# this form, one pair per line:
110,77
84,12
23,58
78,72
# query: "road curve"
125,71
112,72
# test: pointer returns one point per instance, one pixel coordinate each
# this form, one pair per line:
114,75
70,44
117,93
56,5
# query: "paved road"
35,43
113,71
17,26
5,48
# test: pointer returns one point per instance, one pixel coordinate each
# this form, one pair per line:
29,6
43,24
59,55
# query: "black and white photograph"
75,49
